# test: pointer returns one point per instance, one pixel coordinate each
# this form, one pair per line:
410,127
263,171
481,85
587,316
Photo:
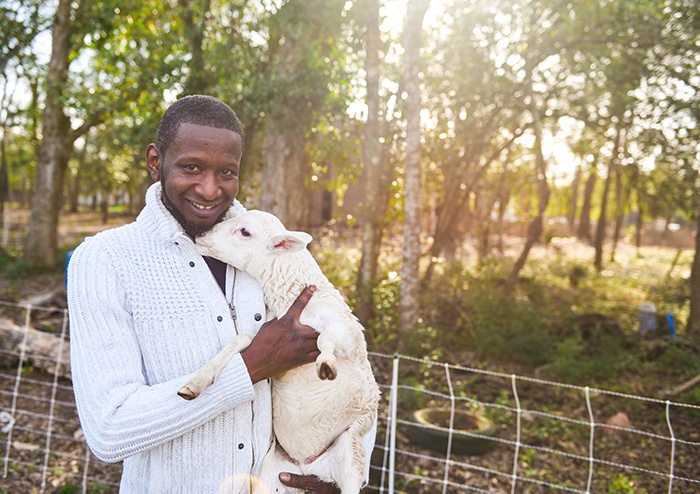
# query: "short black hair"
197,109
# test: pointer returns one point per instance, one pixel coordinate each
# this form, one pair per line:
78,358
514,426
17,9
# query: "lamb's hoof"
187,393
327,372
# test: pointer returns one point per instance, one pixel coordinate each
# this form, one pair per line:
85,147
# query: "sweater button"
257,317
219,318
241,446
191,264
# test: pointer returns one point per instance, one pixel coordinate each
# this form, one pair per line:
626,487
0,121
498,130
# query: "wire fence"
441,428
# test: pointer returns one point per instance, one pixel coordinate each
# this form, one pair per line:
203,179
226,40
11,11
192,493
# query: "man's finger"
302,299
291,480
309,483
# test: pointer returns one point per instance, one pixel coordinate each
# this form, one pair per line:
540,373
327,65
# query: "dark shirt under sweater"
218,269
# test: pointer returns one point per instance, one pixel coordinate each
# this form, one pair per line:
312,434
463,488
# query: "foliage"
467,318
15,267
622,484
473,313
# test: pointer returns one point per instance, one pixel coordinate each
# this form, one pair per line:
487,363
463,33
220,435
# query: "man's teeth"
200,206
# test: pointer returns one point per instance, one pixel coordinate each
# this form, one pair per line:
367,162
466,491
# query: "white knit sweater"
145,314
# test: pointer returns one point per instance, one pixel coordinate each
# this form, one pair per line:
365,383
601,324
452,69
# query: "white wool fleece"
145,314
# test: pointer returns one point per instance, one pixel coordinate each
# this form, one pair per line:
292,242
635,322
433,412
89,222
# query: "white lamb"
321,412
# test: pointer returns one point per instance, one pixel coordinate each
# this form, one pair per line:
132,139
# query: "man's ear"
289,242
153,161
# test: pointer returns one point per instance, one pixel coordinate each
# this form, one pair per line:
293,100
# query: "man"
146,311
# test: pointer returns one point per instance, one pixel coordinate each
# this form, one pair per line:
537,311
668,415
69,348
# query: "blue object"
671,324
68,256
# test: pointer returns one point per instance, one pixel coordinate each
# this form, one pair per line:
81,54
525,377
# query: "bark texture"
54,151
410,283
374,204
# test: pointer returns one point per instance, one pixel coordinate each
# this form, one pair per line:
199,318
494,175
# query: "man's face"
198,174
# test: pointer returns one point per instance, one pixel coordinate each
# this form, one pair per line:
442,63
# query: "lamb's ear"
289,241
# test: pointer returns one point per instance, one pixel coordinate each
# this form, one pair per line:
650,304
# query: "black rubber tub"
472,435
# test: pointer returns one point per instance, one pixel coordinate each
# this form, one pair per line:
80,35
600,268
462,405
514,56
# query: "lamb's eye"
245,232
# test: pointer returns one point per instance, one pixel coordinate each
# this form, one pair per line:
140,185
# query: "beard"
194,230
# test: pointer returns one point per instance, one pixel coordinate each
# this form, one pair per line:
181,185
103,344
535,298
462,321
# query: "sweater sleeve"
120,414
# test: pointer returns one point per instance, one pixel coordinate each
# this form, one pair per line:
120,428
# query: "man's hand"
282,344
309,483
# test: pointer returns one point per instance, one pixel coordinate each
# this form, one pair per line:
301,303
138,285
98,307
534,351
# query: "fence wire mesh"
441,428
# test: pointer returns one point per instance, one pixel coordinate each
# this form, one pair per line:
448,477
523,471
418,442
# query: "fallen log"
42,350
689,384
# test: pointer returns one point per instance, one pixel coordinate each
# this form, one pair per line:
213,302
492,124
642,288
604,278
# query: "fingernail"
312,288
285,477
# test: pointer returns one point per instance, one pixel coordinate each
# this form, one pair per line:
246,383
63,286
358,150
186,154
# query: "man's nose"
208,187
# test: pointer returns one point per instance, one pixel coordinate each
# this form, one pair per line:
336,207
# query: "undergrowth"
562,320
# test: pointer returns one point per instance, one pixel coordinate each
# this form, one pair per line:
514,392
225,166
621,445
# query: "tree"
19,26
371,209
302,46
411,252
534,230
601,225
111,43
472,100
199,80
693,322
55,149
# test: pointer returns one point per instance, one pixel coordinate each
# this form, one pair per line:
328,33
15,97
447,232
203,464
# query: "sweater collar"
156,217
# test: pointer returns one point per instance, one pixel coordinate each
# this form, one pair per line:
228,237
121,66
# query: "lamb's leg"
208,373
344,462
272,464
326,363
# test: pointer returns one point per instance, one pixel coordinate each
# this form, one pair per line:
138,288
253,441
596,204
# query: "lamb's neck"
284,279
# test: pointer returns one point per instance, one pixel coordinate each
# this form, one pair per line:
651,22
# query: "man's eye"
245,232
190,168
230,173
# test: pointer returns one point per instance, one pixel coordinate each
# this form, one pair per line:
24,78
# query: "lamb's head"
248,236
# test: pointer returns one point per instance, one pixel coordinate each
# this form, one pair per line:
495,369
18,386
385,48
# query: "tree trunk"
4,175
584,222
502,205
198,81
575,185
450,217
693,324
619,212
534,230
74,198
602,218
410,286
104,208
453,212
298,42
284,192
638,225
372,209
483,206
54,151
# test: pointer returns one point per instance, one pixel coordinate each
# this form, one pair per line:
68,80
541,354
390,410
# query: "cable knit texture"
145,314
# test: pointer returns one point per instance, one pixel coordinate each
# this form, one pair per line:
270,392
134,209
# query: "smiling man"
198,170
146,311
